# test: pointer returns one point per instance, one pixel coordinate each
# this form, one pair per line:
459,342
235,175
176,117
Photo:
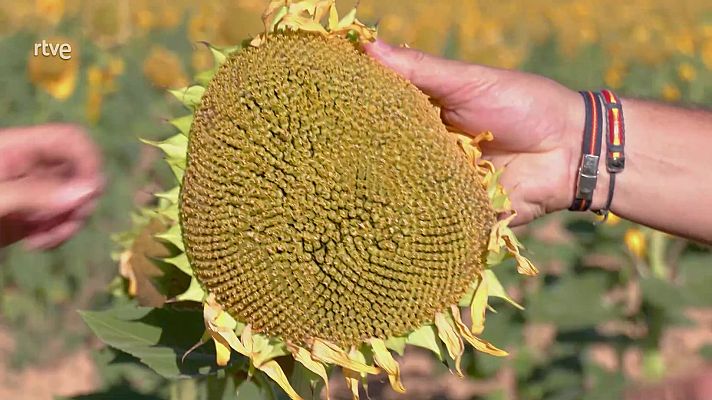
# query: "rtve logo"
61,50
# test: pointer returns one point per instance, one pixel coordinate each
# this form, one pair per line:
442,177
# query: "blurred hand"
536,122
49,183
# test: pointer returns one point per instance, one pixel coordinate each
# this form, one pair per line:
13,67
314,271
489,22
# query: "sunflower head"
325,212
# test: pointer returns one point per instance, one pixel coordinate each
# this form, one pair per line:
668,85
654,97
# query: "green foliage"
572,302
158,337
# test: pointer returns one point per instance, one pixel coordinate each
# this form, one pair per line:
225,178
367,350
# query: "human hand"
537,123
50,179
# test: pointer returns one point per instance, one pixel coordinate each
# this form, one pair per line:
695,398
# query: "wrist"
573,138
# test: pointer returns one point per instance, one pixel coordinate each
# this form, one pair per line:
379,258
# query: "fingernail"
76,193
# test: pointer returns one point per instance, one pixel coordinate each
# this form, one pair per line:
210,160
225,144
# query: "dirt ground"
70,375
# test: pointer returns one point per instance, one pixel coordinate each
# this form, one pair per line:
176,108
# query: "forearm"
667,181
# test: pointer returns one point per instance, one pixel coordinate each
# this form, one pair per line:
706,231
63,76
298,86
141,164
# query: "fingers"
22,149
50,177
42,199
52,238
437,77
13,230
45,234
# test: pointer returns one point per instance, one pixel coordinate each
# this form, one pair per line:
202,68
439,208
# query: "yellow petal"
496,242
348,20
479,306
321,8
479,344
331,354
297,22
363,32
482,137
453,341
301,7
253,344
303,357
502,236
279,16
221,326
274,371
258,40
127,271
352,378
273,6
497,194
360,357
486,170
276,9
333,18
384,359
472,151
262,348
247,338
222,349
524,266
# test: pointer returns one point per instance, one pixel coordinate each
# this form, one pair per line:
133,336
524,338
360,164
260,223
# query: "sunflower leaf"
157,337
250,390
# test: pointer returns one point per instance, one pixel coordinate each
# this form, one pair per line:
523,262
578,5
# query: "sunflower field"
618,310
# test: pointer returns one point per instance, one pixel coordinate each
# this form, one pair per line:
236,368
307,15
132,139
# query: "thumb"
437,77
